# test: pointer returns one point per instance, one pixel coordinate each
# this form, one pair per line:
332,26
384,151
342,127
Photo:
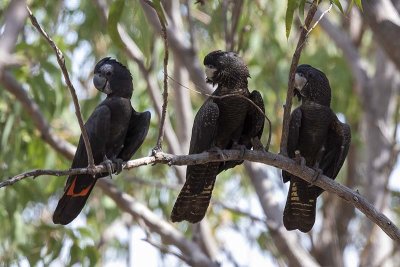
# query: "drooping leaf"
160,11
337,3
114,17
301,10
358,3
291,7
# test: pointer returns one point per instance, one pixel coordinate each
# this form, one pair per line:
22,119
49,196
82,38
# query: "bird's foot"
299,159
218,150
241,148
316,176
119,165
108,164
257,145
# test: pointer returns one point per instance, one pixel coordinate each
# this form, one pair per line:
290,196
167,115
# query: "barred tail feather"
300,206
194,198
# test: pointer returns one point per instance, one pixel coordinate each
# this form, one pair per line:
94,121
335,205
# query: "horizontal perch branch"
268,158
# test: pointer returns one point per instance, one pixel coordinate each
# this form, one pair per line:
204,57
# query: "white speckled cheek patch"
299,81
210,72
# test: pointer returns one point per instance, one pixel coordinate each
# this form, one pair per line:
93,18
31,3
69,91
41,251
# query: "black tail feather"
72,203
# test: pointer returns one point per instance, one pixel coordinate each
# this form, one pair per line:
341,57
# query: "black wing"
293,138
253,127
204,129
137,131
78,187
337,147
194,198
254,123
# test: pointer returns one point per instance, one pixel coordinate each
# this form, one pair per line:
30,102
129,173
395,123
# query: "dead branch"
61,62
164,35
268,158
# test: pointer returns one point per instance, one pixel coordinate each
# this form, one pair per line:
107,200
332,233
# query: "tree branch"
179,47
167,232
15,16
384,21
295,253
295,61
268,158
61,62
123,201
351,55
164,35
33,110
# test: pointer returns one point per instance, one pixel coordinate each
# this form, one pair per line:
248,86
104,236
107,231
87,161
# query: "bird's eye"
210,66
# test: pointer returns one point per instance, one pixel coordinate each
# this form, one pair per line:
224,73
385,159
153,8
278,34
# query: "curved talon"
316,176
118,162
299,159
109,165
242,148
218,150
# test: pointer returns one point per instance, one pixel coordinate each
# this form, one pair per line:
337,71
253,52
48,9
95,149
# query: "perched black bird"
115,132
221,123
322,140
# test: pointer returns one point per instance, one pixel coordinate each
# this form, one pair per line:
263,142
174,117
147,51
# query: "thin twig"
239,211
232,95
166,250
61,62
276,160
320,18
295,60
164,35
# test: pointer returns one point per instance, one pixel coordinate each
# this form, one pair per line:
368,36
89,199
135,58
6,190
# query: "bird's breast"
314,129
232,114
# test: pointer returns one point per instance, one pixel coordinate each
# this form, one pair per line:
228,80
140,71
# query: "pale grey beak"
101,83
299,81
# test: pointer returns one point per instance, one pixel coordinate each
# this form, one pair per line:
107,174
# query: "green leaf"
292,5
114,16
337,3
160,11
358,3
301,10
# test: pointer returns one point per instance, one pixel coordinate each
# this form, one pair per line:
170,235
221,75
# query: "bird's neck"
225,90
307,102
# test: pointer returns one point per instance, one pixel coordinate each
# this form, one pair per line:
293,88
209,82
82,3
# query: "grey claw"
316,176
118,162
109,165
219,151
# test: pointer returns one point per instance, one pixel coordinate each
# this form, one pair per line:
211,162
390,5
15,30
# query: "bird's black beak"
101,83
297,93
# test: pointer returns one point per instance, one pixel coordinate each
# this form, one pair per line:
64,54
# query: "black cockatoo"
322,140
221,123
115,132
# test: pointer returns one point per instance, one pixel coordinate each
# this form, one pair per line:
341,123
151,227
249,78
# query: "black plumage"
221,123
322,140
115,132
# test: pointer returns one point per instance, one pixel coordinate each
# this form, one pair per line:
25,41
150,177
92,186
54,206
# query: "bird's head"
226,69
112,78
311,84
